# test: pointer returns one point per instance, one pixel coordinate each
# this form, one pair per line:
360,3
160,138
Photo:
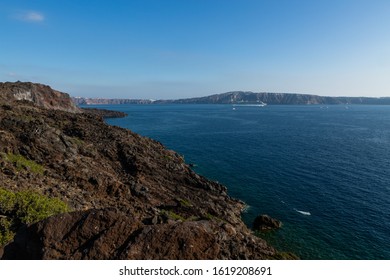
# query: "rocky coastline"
104,113
128,196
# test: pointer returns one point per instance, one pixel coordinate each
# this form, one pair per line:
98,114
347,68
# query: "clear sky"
187,48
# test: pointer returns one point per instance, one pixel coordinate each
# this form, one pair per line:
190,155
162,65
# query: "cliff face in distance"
246,97
112,101
130,198
39,94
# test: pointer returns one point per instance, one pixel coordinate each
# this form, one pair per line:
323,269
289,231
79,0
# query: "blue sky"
187,48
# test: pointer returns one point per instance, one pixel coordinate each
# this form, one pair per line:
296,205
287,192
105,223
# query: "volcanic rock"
110,234
265,222
104,113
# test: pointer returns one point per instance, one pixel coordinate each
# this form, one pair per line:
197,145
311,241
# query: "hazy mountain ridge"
246,97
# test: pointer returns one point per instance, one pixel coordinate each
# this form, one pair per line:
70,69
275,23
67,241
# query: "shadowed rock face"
130,197
109,234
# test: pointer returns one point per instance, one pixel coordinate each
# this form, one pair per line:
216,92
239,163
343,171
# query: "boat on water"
262,104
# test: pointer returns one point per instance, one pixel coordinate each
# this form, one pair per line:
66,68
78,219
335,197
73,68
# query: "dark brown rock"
109,234
92,234
265,222
104,113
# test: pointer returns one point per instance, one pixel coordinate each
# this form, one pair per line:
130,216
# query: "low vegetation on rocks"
21,163
23,208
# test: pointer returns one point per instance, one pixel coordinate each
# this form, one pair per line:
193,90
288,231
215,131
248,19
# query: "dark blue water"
323,171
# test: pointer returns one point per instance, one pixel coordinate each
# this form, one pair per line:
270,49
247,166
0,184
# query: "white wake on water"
303,212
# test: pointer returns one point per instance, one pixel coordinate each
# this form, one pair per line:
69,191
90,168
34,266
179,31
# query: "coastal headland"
126,196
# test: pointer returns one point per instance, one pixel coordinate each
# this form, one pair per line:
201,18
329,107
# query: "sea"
324,171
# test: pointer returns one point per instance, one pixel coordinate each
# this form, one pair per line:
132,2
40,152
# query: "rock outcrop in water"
265,223
131,198
104,113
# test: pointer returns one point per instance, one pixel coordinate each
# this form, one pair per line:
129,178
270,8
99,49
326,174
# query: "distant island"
246,97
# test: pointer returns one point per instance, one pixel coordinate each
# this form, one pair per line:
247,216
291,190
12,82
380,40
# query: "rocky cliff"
41,95
129,197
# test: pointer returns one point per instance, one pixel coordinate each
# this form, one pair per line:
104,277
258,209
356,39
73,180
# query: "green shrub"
172,215
22,163
208,216
6,232
7,201
184,202
33,207
25,207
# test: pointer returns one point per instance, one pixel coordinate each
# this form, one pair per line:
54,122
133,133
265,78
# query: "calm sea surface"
323,171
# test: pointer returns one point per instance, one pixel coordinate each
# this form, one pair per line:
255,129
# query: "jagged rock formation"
112,234
265,222
130,197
